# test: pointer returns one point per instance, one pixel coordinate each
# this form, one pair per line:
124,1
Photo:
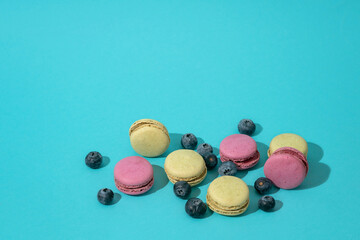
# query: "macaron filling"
243,163
134,188
192,181
233,210
293,152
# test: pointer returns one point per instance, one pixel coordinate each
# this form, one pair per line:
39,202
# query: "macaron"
228,195
287,168
149,138
185,165
240,149
288,140
133,175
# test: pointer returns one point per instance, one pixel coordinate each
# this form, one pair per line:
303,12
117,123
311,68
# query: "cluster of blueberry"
195,207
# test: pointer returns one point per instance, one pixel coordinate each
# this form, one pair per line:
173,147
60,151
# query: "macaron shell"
228,195
288,140
142,122
185,165
238,146
285,170
133,171
149,138
133,175
296,153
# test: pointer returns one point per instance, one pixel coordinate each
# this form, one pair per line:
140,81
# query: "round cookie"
133,175
149,138
228,195
288,140
185,165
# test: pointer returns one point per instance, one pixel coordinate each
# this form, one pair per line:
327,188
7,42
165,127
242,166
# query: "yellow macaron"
228,195
149,138
288,140
185,165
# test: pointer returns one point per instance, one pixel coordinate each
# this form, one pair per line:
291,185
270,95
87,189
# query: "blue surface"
75,75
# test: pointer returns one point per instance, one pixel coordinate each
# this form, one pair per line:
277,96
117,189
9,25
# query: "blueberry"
182,189
263,185
195,207
189,141
93,160
105,196
266,203
246,126
204,148
227,168
210,160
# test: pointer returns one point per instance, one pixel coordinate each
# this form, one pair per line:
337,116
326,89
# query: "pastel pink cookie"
286,168
240,149
134,175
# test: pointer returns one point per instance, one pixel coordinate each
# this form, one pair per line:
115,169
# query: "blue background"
75,75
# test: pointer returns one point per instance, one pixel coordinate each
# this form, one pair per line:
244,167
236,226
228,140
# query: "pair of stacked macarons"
287,165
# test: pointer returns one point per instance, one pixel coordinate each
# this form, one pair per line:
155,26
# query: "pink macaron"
134,175
286,168
240,149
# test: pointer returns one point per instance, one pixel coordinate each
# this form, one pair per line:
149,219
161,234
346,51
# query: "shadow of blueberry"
258,129
195,192
278,206
200,141
116,198
273,190
216,151
105,161
208,213
241,173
